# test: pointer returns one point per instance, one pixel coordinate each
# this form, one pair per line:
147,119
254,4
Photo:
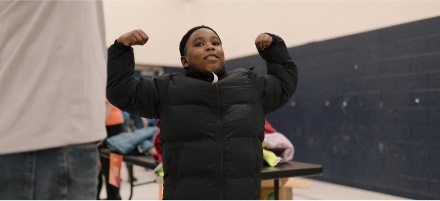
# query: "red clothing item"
157,143
268,129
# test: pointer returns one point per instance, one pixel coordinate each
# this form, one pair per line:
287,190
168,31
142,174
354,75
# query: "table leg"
131,185
276,189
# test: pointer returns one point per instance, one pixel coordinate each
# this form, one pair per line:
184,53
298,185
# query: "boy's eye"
199,44
216,43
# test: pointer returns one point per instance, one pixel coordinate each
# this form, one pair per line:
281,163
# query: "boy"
212,121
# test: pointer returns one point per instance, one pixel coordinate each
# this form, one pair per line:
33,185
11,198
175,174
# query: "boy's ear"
184,61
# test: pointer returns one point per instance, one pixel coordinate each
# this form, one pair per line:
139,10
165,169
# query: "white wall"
239,22
164,22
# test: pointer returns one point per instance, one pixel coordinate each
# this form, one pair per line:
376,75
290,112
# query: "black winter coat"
212,134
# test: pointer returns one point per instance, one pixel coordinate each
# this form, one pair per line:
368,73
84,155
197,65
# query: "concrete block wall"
368,108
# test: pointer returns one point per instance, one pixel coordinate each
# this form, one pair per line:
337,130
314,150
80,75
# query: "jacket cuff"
275,38
277,51
121,46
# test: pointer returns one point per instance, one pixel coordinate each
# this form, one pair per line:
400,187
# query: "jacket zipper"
221,143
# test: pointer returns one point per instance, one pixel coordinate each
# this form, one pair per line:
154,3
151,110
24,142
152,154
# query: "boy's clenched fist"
135,37
263,41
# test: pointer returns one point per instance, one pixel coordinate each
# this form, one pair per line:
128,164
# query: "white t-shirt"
52,74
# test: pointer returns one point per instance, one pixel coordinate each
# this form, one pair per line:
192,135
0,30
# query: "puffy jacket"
212,133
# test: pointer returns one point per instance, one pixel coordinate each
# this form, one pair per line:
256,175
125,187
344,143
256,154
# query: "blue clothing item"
139,123
52,174
146,145
125,125
151,122
125,115
125,142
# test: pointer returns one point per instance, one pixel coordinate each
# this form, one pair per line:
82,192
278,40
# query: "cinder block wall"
368,108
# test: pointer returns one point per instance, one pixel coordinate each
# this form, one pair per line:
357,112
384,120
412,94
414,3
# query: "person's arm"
281,81
145,122
108,108
136,96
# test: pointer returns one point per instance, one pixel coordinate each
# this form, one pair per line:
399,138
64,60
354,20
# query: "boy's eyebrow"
216,37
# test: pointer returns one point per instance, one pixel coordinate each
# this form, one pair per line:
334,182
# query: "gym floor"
319,191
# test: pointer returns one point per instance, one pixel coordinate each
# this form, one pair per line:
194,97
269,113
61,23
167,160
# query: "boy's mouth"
211,56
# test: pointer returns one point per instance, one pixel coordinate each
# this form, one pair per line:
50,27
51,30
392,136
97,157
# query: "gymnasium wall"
368,108
239,22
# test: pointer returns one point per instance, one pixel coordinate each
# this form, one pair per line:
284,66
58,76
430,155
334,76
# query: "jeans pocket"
81,167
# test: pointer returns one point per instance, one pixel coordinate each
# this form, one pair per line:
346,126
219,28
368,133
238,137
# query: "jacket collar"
198,75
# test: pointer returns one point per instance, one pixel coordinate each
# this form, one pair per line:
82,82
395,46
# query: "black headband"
188,34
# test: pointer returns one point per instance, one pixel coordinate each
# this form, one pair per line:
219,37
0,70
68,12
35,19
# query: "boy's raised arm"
135,96
281,81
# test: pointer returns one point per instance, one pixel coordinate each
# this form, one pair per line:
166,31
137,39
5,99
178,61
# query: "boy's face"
203,50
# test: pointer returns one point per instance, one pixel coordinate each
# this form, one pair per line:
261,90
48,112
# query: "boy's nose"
209,47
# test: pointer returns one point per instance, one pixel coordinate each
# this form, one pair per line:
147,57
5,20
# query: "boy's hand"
263,41
135,37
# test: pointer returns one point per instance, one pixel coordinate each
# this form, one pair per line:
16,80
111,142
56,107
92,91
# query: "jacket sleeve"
281,81
135,96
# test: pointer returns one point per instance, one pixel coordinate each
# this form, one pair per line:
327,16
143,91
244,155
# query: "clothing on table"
52,81
211,132
157,143
277,143
126,142
268,128
280,145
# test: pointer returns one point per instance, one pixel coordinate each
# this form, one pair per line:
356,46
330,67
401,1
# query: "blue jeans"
52,174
